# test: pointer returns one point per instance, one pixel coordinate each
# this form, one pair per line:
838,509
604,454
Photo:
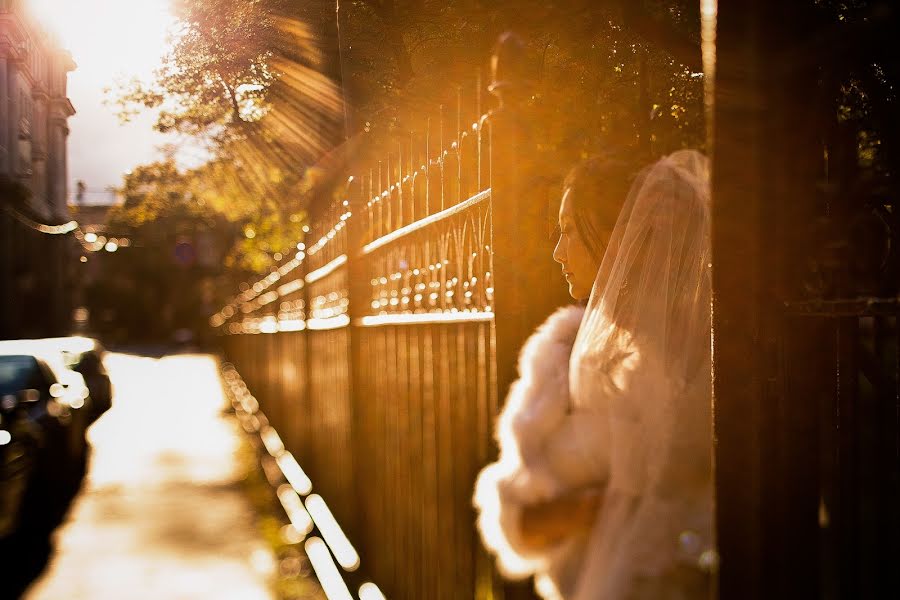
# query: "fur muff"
535,409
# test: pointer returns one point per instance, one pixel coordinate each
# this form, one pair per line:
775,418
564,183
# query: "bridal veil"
641,362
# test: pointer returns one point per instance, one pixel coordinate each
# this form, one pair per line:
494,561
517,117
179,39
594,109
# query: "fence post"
521,243
767,159
523,279
357,295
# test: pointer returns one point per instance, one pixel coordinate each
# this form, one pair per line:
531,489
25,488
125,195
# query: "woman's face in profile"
578,264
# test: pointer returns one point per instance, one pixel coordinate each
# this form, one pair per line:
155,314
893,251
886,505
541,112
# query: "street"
161,512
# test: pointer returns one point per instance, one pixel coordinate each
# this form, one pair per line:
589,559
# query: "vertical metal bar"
431,540
848,432
478,119
892,417
441,155
460,193
451,460
427,164
414,462
370,197
389,176
412,172
828,469
383,226
400,210
406,432
466,424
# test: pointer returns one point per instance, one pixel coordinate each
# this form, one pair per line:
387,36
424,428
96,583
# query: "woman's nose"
559,254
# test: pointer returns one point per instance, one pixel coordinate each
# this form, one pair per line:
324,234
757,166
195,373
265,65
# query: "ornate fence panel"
428,376
380,350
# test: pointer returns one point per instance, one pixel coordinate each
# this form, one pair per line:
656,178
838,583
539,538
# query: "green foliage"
160,201
245,80
226,71
152,192
213,79
610,73
859,87
260,81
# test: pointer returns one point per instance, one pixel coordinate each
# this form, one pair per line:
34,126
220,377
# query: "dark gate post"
764,177
523,265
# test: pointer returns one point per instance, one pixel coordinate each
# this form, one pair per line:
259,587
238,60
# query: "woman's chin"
576,292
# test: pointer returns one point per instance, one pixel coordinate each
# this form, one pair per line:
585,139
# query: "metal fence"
380,349
416,293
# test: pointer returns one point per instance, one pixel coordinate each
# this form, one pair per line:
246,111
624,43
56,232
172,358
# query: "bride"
603,486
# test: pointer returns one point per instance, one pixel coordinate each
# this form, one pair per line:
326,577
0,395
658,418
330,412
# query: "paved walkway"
161,515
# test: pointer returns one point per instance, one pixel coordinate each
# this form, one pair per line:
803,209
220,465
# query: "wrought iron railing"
379,350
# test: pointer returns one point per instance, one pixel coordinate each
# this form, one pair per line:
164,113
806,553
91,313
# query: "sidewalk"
162,515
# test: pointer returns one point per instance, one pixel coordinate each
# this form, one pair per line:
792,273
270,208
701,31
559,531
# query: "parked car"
59,406
20,439
85,356
43,456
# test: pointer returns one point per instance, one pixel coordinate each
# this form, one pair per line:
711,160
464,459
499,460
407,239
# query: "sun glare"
108,38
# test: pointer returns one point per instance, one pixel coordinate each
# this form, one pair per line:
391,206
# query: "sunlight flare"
108,36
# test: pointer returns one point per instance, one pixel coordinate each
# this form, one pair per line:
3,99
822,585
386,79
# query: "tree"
191,244
261,81
226,71
159,197
628,68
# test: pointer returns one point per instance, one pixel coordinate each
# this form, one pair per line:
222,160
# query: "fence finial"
509,66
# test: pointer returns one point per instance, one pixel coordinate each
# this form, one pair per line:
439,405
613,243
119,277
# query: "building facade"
34,110
36,262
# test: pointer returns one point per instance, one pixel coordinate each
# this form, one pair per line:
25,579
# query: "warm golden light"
328,323
108,37
370,591
272,441
709,10
293,507
334,536
330,578
294,474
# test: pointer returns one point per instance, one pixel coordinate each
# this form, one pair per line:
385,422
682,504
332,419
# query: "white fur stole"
536,409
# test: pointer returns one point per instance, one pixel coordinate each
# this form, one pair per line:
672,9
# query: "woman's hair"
598,187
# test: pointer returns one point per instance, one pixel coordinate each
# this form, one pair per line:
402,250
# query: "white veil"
653,286
640,365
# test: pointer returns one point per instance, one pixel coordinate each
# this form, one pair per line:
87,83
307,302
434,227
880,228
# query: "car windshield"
17,373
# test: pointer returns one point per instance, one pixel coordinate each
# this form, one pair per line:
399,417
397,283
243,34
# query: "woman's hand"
547,523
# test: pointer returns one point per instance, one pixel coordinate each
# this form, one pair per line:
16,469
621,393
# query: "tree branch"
232,95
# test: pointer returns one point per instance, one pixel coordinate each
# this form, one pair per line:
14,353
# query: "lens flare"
334,536
326,571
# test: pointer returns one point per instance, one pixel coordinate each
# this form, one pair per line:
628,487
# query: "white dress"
653,534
